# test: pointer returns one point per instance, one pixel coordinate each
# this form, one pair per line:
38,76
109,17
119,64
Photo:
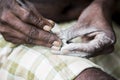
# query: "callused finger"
29,30
31,16
17,37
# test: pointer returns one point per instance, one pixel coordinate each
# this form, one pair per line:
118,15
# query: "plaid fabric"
37,63
25,62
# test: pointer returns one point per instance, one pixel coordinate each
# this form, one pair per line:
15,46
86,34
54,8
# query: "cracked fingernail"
47,28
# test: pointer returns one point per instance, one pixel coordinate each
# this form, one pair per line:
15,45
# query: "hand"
20,23
94,28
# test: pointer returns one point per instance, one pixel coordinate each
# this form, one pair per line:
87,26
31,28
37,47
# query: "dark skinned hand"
20,23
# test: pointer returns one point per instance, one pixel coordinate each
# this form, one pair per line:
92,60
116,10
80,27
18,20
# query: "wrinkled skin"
23,24
96,31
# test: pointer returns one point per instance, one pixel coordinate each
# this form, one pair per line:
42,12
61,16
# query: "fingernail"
57,43
47,28
55,48
52,22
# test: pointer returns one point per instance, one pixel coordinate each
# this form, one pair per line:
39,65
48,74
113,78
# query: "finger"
17,40
48,22
17,37
37,42
14,22
96,45
8,31
12,35
12,39
28,30
31,16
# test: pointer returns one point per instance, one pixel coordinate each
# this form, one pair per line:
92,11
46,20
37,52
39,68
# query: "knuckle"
26,15
111,41
48,38
33,32
37,21
105,40
5,16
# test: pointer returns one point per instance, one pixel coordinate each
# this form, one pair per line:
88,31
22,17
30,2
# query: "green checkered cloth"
25,62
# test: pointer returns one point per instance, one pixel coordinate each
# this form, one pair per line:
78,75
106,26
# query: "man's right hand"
20,23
